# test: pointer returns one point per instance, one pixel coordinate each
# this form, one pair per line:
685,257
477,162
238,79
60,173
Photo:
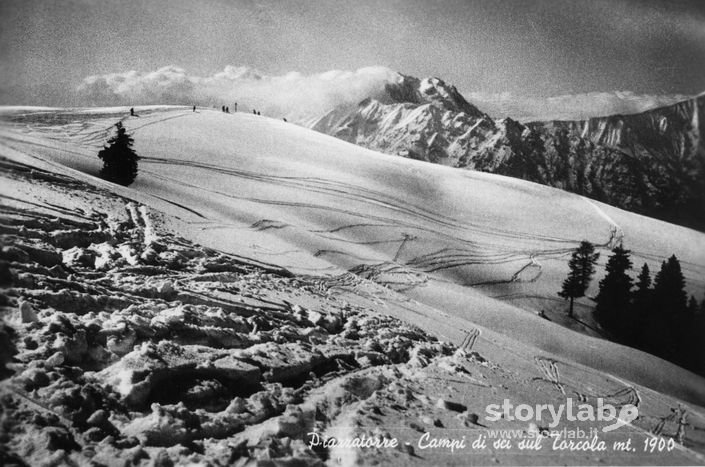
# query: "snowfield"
260,280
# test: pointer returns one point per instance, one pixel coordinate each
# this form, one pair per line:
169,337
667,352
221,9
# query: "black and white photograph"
352,233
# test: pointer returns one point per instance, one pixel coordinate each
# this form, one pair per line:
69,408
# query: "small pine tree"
668,324
612,310
669,286
697,353
641,306
643,283
582,267
670,299
693,306
119,159
689,334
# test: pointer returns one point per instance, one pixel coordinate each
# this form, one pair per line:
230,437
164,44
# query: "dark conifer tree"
582,267
119,159
690,346
668,324
693,306
641,306
697,346
669,317
669,285
643,283
613,299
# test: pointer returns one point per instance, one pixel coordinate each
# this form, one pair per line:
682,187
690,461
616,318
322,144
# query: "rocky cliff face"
652,163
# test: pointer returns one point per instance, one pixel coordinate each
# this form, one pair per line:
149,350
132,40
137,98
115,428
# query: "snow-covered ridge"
345,253
429,120
275,191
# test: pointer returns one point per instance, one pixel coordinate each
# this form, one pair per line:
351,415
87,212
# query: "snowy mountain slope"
652,163
136,346
457,253
279,193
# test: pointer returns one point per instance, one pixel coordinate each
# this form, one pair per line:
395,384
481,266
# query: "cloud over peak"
292,94
300,96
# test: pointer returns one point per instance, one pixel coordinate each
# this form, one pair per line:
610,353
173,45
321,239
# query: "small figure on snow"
132,111
194,108
235,108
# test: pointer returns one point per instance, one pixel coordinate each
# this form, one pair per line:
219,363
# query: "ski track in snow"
390,243
481,243
616,236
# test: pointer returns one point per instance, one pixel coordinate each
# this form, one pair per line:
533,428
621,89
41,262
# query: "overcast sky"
526,48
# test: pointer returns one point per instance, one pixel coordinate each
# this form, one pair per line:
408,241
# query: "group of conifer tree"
655,316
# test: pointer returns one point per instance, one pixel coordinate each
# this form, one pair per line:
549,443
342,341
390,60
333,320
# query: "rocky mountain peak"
637,162
428,91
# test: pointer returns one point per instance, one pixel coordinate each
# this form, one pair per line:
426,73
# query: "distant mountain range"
652,163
